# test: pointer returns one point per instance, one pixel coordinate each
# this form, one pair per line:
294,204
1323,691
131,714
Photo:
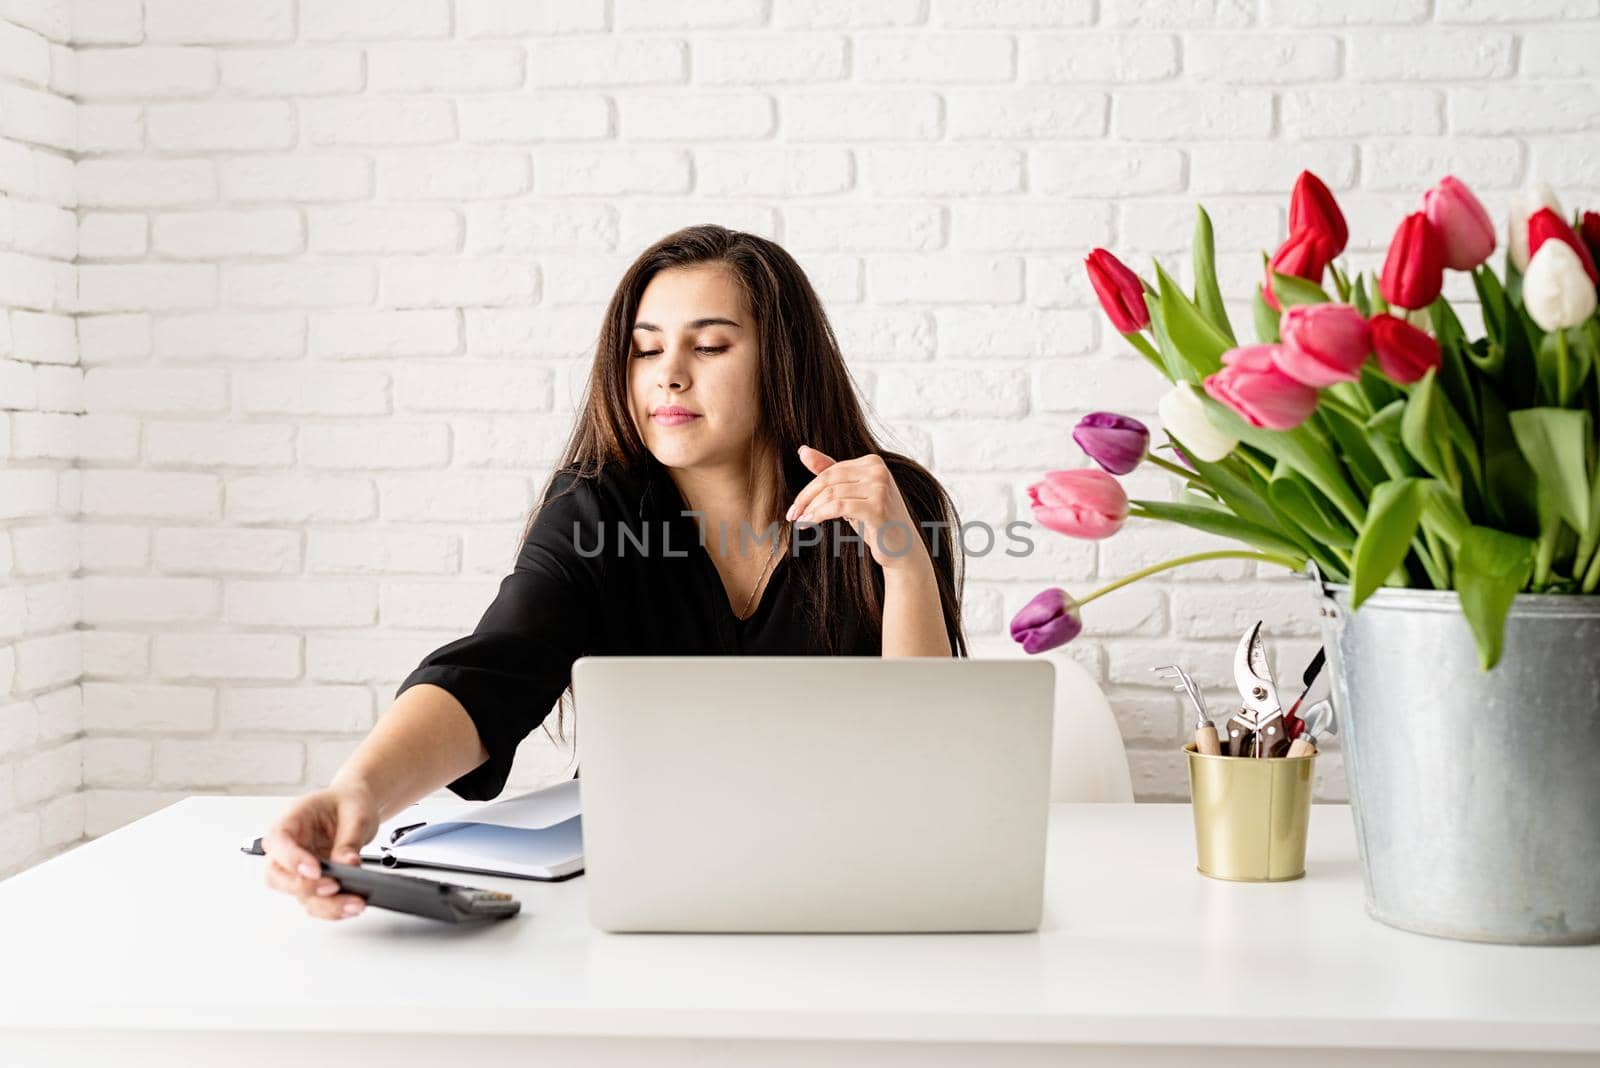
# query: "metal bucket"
1476,795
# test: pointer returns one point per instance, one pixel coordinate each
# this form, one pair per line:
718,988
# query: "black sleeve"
509,672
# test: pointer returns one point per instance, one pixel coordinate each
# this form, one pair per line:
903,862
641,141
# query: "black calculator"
436,900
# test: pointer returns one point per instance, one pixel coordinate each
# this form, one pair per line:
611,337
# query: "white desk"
159,944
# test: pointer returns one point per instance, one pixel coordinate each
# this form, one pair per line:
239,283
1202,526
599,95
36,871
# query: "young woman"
721,493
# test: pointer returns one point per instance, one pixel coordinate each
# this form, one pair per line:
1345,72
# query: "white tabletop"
164,925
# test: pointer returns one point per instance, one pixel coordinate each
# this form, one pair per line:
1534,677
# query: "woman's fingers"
319,897
837,475
830,502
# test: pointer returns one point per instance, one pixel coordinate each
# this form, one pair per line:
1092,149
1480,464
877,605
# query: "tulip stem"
1194,558
1563,357
1168,465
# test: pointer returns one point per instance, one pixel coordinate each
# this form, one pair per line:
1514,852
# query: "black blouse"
654,590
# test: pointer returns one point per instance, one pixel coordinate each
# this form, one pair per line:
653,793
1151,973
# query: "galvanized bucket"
1476,794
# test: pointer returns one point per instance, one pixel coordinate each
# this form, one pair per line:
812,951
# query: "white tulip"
1183,414
1524,204
1556,289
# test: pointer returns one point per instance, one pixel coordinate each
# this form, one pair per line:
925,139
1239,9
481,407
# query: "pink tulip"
1082,503
1322,344
1251,384
1461,221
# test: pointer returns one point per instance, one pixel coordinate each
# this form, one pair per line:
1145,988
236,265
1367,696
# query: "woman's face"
694,348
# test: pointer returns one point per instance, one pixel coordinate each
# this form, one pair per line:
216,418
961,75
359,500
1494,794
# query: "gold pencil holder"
1250,815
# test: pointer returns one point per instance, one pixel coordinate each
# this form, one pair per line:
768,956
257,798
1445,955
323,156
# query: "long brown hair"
807,396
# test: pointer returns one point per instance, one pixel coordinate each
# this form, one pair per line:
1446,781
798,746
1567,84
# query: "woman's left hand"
862,491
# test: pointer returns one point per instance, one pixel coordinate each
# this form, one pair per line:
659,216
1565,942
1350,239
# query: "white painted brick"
1201,113
1523,110
24,54
360,552
1014,333
220,234
470,497
696,116
1415,163
110,236
480,386
117,761
386,446
297,178
228,763
135,599
922,57
1256,57
218,21
113,547
457,604
1193,14
1113,171
117,389
1097,57
147,72
44,230
351,229
296,709
433,282
60,713
378,660
226,656
1349,13
61,821
366,20
941,170
153,494
299,499
896,279
1432,54
519,443
385,333
1524,10
903,227
549,116
949,393
1099,382
536,227
107,22
427,69
454,176
48,662
1566,161
296,71
299,603
289,285
113,338
885,114
136,287
306,391
744,59
141,183
266,124
530,18
1031,14
1568,52
44,435
48,774
227,550
1318,114
818,14
632,15
51,606
1043,112
43,338
110,128
233,335
1267,167
781,172
203,444
107,810
106,653
377,121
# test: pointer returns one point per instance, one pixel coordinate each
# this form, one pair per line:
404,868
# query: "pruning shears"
1259,728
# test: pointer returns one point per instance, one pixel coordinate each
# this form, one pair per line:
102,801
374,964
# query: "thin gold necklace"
744,613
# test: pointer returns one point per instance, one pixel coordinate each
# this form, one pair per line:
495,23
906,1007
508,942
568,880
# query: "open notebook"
536,835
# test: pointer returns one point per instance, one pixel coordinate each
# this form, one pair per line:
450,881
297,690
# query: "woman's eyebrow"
696,325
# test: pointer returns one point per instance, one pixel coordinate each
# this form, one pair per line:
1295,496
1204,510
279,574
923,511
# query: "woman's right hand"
333,823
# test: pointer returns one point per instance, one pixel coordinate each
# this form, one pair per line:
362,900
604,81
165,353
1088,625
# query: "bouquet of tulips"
1364,430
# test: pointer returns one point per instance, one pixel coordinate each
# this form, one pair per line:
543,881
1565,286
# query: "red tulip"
1590,229
1545,224
1312,207
1461,222
1404,353
1413,273
1081,503
1305,255
1120,291
1251,384
1323,344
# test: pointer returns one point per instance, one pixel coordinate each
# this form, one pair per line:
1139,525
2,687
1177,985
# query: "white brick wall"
299,298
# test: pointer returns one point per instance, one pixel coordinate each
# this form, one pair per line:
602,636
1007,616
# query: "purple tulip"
1049,620
1115,442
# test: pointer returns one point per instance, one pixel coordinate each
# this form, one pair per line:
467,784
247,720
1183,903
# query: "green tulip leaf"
1443,514
1292,289
1393,515
1425,430
1307,508
1555,443
1196,340
1266,320
1491,567
1177,368
1216,521
1207,294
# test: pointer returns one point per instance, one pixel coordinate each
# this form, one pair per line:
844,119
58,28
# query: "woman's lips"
664,417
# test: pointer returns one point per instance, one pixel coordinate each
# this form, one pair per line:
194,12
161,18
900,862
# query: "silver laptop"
801,793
